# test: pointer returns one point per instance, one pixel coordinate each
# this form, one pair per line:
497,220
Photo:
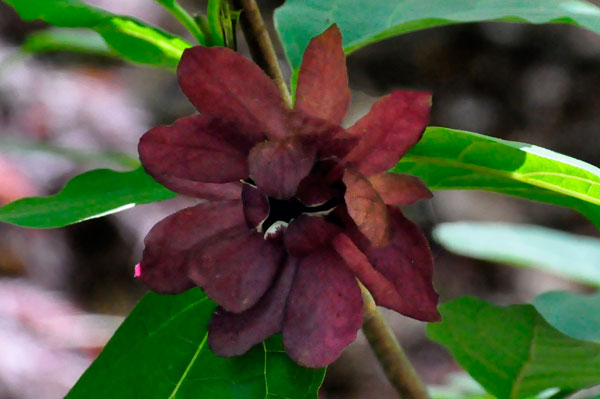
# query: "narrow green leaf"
449,159
90,195
160,352
214,22
575,315
130,38
71,40
512,351
574,257
362,23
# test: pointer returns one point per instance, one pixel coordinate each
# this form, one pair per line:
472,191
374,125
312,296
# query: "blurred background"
64,291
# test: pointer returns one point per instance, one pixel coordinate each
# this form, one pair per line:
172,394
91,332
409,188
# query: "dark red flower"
298,207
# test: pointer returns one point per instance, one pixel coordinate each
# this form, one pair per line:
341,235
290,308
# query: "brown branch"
389,353
261,47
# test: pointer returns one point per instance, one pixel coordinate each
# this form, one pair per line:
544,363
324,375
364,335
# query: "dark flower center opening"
286,210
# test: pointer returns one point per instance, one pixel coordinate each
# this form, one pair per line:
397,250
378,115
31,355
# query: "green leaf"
449,159
574,257
160,352
362,23
575,315
130,38
512,351
72,40
90,195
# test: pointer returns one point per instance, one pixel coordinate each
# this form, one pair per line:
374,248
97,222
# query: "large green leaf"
575,315
132,39
365,22
452,159
90,195
512,351
72,40
571,256
160,352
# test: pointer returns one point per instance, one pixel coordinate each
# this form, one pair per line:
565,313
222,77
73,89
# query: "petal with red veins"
208,191
408,264
324,310
366,208
165,261
233,334
236,268
383,291
256,205
196,148
307,234
322,88
278,166
399,189
394,124
224,84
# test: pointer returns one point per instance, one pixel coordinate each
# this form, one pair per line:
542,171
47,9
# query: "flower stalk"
386,347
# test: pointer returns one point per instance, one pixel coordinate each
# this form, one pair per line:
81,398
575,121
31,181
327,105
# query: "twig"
261,46
388,351
398,369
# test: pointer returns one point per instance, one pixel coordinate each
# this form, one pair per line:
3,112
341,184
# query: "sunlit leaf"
132,39
575,315
512,351
449,159
574,257
90,195
362,23
160,352
72,40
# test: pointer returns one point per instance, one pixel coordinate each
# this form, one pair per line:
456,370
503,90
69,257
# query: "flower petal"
233,334
278,166
408,264
165,263
322,184
307,234
382,290
236,268
222,83
399,189
208,191
196,148
256,206
322,89
366,208
394,124
324,310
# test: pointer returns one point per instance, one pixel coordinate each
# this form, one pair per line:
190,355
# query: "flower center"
281,212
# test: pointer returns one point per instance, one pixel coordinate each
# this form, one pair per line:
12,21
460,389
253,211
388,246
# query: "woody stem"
261,46
386,347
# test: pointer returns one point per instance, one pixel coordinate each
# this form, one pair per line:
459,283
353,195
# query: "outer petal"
366,208
231,334
407,263
208,191
222,83
393,125
196,148
399,189
308,234
278,166
324,310
236,268
165,262
256,206
322,89
382,290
